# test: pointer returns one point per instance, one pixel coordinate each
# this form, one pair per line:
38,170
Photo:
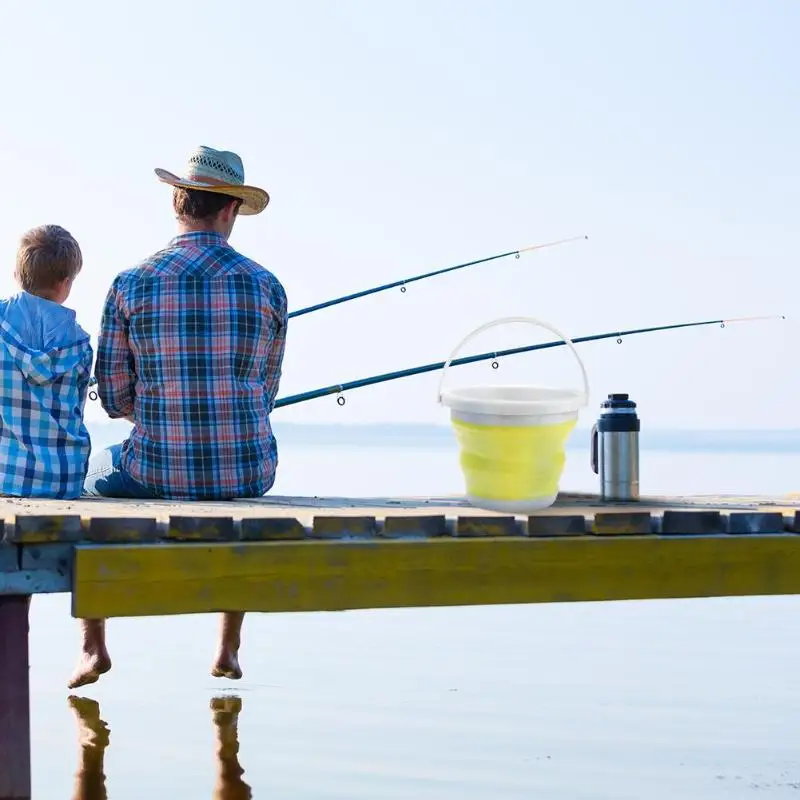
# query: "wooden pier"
275,554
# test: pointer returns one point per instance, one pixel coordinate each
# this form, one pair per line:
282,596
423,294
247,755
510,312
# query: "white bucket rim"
559,401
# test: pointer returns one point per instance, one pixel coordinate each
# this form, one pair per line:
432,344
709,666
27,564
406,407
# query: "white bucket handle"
529,321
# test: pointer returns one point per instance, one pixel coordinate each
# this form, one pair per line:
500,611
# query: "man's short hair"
200,205
47,256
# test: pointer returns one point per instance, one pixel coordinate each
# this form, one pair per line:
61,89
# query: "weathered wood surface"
46,523
304,509
47,545
15,740
325,575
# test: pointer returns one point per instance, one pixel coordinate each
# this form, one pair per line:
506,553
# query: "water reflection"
94,738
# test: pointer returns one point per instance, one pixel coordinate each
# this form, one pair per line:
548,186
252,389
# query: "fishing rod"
385,377
405,281
338,389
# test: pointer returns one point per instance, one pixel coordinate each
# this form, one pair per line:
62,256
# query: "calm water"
678,699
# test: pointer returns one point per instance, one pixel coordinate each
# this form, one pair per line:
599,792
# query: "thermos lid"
618,401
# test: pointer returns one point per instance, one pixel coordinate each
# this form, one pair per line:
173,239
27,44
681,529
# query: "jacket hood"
43,339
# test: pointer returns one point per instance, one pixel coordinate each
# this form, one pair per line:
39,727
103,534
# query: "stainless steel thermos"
615,449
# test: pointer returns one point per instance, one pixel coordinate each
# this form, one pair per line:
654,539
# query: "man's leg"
106,479
230,638
94,659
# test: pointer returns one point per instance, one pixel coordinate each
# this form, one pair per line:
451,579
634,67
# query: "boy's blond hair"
47,256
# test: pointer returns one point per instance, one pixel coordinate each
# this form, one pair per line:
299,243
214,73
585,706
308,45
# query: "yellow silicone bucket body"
512,439
513,464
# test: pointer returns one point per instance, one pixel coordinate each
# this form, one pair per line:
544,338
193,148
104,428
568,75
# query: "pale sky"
395,138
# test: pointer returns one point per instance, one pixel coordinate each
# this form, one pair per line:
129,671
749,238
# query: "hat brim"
254,200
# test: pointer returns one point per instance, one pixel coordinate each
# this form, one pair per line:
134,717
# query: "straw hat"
218,171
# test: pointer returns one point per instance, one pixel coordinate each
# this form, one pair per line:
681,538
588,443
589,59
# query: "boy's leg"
230,638
94,659
104,479
103,475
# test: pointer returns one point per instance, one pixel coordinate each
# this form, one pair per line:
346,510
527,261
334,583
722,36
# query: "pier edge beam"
15,724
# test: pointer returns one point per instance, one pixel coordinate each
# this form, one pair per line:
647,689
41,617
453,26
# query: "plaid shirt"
46,363
191,344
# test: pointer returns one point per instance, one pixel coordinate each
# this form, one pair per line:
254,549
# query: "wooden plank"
305,508
424,526
336,527
750,522
122,529
692,523
9,558
130,580
557,525
201,529
37,581
616,523
15,726
44,528
50,557
272,528
470,527
44,568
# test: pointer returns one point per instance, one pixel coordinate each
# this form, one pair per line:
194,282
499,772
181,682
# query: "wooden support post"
15,725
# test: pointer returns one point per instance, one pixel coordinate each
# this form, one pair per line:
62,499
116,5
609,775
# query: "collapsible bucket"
512,439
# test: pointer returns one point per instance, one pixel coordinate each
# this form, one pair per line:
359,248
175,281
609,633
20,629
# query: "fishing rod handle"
525,320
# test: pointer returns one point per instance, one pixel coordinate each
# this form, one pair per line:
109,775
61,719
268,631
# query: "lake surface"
658,699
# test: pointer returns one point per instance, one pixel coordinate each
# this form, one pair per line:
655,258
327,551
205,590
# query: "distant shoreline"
421,436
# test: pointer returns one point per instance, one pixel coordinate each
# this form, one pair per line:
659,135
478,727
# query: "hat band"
198,177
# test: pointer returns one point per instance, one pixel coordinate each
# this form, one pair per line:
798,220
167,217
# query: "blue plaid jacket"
46,363
191,345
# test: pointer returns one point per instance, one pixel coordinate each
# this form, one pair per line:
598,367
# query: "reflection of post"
93,738
229,785
15,725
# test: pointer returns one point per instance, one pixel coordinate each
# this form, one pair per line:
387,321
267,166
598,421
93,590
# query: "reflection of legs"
230,638
94,659
93,737
229,784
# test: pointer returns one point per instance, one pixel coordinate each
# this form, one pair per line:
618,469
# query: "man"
190,351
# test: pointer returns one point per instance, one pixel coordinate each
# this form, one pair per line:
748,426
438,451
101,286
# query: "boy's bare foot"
227,665
90,667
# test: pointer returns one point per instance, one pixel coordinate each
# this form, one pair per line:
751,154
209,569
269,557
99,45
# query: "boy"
45,367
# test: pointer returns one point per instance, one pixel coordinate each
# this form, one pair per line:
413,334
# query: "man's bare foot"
93,732
90,667
227,665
